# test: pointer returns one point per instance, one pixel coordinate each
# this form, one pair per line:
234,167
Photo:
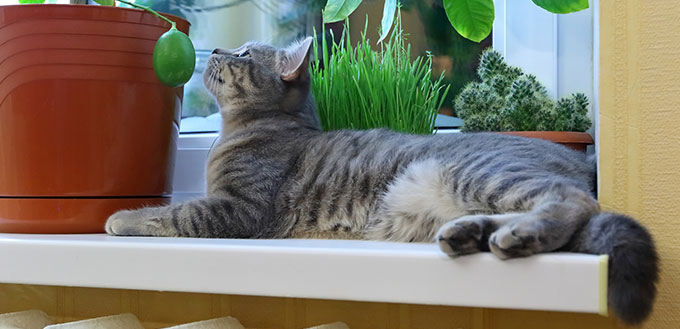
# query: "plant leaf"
338,10
473,19
562,6
387,19
31,1
105,2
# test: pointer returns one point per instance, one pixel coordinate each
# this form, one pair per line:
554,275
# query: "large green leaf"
562,6
473,19
338,10
31,1
387,19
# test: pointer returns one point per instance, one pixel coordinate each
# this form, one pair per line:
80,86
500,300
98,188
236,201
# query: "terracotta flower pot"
575,140
86,128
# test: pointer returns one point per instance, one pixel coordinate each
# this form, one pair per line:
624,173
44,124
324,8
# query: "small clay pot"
574,140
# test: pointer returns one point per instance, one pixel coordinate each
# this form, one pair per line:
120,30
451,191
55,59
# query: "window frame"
520,30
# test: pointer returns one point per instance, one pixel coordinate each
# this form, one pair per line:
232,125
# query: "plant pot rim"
555,136
176,19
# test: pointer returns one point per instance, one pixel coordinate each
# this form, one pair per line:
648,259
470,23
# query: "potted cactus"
510,101
90,103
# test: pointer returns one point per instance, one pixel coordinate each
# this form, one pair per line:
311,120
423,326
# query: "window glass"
230,23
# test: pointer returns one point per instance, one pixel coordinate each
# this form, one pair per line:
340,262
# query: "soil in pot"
575,140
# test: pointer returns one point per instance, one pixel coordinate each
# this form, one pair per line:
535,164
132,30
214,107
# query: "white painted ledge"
325,269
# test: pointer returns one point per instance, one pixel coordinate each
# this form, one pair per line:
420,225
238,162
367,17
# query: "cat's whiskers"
212,78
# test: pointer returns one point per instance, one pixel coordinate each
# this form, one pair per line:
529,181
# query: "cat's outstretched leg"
152,221
206,218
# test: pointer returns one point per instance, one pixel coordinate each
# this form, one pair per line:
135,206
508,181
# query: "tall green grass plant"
361,88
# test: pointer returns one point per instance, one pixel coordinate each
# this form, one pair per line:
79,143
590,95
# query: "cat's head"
257,80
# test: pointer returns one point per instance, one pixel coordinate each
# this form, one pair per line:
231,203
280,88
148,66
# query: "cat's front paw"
515,240
131,223
463,236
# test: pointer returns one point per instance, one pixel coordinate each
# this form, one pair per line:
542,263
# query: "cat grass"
357,87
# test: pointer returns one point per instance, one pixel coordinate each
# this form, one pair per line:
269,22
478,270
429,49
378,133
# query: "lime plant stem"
174,26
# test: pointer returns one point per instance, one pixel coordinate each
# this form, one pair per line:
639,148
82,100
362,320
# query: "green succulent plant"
507,99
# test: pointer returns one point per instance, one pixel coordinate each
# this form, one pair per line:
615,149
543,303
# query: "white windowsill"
325,269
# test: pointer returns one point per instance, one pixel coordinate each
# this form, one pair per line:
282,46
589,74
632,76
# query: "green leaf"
473,19
338,10
562,6
31,1
105,2
387,19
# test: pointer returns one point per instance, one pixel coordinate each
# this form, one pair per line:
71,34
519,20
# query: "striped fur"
275,174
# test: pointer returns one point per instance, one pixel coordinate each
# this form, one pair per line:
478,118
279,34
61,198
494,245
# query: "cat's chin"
224,110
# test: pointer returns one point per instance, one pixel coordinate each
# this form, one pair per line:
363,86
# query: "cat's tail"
633,262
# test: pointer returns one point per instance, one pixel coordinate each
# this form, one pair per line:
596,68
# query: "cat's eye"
245,53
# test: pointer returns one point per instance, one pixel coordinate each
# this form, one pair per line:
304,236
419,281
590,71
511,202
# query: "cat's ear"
295,63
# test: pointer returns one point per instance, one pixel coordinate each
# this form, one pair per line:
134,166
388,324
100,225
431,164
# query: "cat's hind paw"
463,236
515,240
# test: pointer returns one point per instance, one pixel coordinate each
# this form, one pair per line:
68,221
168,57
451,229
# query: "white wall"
558,49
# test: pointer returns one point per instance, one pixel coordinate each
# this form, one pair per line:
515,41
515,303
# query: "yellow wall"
640,175
640,129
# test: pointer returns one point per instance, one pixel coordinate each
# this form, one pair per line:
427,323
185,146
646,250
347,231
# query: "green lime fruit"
174,58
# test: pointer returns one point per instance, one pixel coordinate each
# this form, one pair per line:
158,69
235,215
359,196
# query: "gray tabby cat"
275,174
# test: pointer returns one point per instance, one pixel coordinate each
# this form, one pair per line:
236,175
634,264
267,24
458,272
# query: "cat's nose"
218,51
